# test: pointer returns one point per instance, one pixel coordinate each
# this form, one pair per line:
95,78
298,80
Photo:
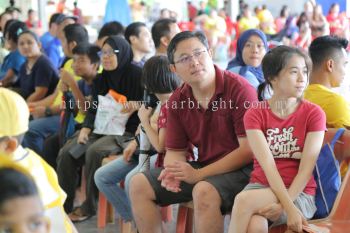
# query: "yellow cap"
14,113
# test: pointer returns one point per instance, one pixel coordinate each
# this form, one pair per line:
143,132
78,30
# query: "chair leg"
182,226
83,184
189,220
110,213
120,223
167,213
102,211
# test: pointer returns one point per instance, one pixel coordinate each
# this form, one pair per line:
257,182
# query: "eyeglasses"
188,59
108,53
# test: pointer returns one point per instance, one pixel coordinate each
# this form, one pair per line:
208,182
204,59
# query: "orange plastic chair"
105,212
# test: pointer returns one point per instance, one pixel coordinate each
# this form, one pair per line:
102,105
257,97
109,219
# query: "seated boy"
85,64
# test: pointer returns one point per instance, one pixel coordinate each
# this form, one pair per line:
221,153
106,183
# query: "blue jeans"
39,130
107,178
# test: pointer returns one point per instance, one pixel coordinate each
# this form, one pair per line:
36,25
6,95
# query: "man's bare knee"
205,196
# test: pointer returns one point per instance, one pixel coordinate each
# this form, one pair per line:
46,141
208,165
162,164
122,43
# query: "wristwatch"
48,112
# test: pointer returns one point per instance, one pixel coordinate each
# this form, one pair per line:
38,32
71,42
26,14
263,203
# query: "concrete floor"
90,226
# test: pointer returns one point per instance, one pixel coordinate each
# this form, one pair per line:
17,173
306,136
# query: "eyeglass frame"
185,60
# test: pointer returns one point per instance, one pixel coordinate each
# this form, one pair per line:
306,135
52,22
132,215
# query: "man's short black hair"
184,36
54,18
89,50
63,17
161,28
113,28
325,47
133,30
76,32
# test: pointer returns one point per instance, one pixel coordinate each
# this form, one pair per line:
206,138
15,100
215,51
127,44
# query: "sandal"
78,216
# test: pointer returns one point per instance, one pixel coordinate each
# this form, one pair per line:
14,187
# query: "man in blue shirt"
51,44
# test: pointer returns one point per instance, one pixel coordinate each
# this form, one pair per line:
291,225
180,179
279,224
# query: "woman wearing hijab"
251,48
124,78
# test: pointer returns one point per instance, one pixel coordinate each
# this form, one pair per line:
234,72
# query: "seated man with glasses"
207,111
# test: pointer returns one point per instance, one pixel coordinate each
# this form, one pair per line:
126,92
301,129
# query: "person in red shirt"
206,111
33,23
192,11
77,13
286,135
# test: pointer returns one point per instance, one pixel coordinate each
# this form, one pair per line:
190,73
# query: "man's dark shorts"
228,186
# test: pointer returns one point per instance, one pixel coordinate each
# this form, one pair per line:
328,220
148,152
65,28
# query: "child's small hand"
144,114
129,151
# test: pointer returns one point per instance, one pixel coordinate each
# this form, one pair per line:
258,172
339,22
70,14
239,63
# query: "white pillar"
233,9
42,14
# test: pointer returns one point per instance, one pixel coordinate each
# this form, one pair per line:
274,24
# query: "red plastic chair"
184,223
105,212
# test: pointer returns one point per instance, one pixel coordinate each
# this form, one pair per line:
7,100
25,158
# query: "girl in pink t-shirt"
286,135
